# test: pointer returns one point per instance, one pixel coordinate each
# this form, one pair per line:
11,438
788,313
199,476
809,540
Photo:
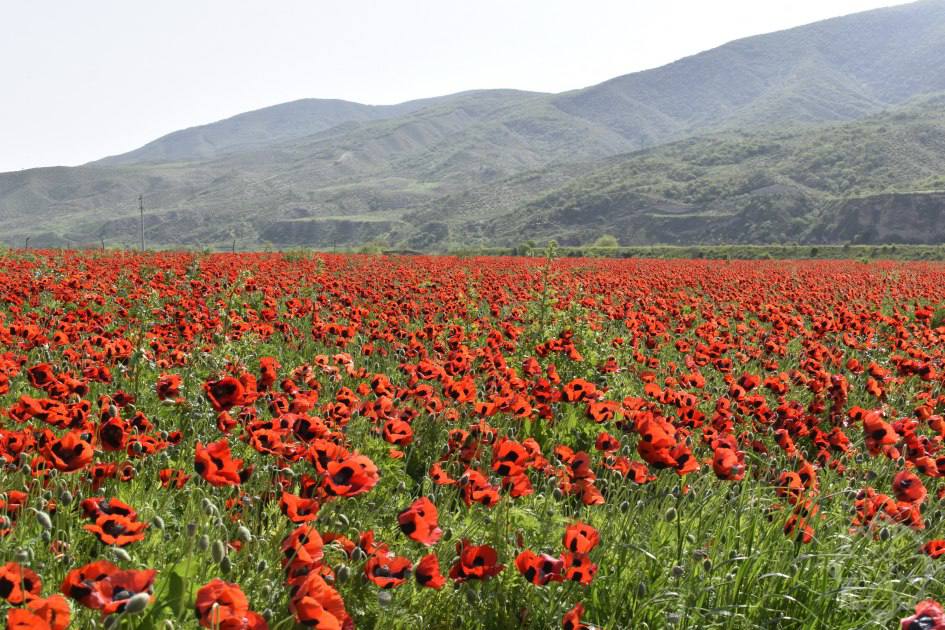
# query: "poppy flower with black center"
539,569
302,550
98,506
215,464
419,522
117,530
387,570
167,387
579,568
100,585
19,584
268,372
173,478
572,619
51,613
908,487
475,562
223,605
929,615
427,572
41,376
69,453
354,475
580,538
225,393
727,465
315,604
934,548
298,509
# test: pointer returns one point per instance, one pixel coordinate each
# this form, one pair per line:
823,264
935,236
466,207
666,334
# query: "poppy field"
250,441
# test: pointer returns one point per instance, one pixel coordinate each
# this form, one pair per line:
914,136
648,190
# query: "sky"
85,79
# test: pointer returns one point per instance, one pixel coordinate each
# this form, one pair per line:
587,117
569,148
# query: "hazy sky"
82,79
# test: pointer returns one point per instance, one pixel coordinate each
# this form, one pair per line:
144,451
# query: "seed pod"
137,603
217,551
121,554
43,519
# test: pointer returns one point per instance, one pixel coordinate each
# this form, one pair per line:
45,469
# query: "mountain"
877,180
503,166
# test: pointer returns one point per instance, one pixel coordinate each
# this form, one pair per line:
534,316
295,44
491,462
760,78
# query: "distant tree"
607,240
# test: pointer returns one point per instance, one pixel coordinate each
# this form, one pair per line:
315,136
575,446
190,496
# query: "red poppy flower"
929,615
51,613
580,538
167,387
94,507
298,509
572,618
225,393
100,585
215,464
479,562
315,604
354,475
579,568
117,530
18,584
908,487
427,572
419,522
223,605
387,570
68,453
934,548
539,569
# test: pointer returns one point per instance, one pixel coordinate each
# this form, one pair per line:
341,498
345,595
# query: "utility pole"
141,209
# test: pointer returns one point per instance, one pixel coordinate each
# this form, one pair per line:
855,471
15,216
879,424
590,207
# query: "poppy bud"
670,515
358,554
558,494
641,590
168,625
157,522
342,573
624,506
267,614
203,543
226,565
401,486
22,556
65,497
678,571
884,534
121,554
43,519
261,566
191,529
243,533
5,523
707,565
137,603
691,539
447,533
217,551
208,507
384,598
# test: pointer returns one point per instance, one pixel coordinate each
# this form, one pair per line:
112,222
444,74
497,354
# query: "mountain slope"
496,165
878,180
834,70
